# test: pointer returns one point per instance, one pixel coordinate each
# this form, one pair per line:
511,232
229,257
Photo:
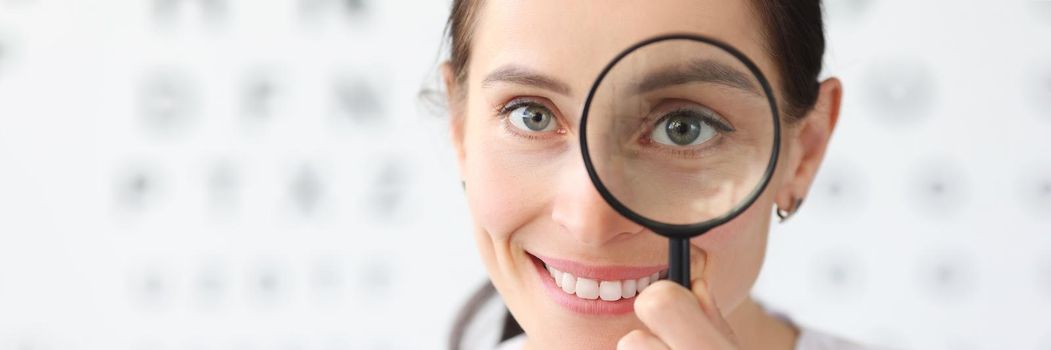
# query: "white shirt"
809,339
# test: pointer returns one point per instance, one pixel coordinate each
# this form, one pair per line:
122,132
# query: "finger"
640,340
702,291
674,315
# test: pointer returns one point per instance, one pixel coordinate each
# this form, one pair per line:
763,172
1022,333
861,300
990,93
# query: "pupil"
683,130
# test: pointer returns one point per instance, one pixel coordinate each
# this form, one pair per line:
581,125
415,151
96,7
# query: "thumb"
702,290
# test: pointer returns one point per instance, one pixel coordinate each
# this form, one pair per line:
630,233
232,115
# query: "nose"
582,213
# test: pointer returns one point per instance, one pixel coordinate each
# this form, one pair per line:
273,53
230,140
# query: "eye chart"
231,174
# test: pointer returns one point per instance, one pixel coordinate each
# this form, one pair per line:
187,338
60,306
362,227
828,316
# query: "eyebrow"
519,75
703,70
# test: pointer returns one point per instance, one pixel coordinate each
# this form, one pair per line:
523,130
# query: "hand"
680,319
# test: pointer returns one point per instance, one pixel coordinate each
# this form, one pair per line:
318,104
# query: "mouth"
592,289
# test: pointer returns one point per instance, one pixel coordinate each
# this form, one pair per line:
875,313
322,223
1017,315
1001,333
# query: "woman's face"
529,193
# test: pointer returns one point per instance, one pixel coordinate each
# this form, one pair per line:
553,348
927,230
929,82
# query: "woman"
516,80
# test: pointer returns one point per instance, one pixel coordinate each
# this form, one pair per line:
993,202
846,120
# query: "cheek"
504,192
491,198
735,253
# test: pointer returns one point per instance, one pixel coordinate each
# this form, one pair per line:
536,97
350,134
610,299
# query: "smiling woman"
572,272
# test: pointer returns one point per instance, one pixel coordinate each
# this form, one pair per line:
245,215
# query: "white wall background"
234,174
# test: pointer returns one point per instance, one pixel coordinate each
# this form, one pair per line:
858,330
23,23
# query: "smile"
595,289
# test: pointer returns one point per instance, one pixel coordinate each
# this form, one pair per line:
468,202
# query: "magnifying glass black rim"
681,230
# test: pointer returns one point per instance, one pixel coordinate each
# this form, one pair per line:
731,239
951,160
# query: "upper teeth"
587,288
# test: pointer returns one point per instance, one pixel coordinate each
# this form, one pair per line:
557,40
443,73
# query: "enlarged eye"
687,128
533,117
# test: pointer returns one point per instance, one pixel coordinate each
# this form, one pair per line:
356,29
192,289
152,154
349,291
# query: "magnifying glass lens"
680,132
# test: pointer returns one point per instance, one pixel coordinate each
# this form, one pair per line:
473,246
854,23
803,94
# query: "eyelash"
505,110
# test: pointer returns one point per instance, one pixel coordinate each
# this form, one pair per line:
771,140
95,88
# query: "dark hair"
794,37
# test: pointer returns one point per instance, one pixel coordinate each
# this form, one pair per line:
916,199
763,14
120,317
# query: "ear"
455,102
807,147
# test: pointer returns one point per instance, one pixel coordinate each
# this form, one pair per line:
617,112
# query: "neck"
756,329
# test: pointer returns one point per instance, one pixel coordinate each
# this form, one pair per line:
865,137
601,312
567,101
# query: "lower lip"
578,305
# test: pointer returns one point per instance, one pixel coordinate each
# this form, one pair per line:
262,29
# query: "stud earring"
784,214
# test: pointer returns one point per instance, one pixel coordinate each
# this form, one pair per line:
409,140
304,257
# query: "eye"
687,127
532,117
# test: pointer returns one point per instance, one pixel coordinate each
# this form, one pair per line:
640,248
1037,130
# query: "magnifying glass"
680,133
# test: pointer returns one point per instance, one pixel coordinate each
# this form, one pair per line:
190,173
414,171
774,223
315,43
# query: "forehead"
574,39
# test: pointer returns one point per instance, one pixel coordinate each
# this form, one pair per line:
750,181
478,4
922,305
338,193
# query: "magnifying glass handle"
679,261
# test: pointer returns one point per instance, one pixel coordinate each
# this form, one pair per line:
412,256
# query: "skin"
531,191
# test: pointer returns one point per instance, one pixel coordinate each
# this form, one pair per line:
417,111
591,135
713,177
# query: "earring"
463,184
784,214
